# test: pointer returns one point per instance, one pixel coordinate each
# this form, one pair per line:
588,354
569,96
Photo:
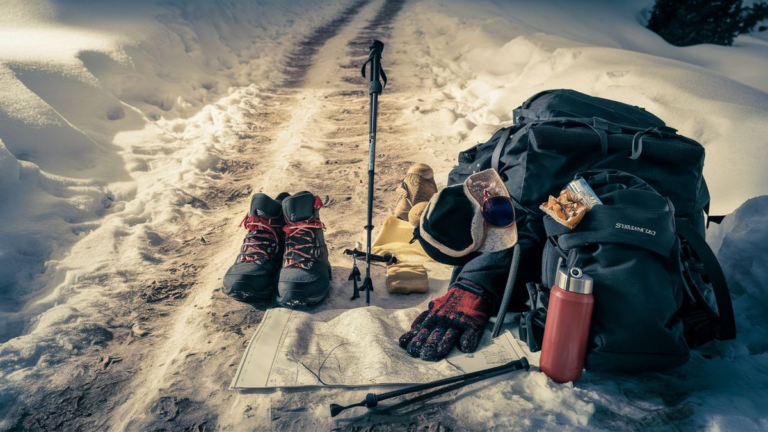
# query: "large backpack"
559,133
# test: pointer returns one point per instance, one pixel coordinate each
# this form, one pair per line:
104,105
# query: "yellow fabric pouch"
395,237
407,278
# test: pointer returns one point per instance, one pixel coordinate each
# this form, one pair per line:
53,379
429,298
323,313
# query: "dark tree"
753,15
691,22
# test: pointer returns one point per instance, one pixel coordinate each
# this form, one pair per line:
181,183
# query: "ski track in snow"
320,135
141,338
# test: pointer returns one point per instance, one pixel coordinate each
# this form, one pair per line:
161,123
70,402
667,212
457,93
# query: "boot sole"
268,295
239,287
298,299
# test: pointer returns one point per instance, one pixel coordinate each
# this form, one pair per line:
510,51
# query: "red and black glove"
458,317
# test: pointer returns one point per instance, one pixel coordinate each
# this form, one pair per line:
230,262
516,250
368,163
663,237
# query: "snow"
740,245
97,95
487,57
110,120
119,121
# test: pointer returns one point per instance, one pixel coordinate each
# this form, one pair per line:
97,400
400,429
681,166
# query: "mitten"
457,318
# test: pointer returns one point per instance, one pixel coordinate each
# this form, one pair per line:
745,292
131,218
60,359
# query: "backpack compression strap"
496,157
597,125
727,328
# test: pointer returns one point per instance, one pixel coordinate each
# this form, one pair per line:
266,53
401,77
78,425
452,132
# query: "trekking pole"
355,278
371,399
374,90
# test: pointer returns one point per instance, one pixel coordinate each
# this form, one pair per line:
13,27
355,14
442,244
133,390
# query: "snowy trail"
317,130
168,324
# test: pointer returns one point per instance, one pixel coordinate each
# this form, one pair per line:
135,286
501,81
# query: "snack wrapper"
574,202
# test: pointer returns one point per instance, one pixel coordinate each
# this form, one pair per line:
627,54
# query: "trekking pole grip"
377,72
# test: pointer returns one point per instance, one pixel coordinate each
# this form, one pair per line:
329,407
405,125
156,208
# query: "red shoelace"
261,242
300,242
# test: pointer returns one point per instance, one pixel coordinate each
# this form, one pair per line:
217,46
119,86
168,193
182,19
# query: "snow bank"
486,57
742,243
107,128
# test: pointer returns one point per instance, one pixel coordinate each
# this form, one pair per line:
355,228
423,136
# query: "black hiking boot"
253,276
305,279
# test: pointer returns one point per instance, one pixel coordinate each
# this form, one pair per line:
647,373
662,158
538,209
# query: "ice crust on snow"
113,115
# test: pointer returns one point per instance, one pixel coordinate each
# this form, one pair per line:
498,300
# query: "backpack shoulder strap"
710,218
496,157
717,278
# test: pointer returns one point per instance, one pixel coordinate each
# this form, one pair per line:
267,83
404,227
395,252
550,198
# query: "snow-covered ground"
95,125
132,133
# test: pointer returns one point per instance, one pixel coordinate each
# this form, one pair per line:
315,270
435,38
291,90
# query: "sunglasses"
499,211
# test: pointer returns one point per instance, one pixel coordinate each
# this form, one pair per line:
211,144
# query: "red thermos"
567,328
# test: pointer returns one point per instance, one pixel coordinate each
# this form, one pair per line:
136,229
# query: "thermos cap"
573,280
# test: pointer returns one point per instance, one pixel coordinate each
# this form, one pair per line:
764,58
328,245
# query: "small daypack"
559,133
630,248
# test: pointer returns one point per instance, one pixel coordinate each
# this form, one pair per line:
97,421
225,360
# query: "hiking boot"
417,186
253,276
305,279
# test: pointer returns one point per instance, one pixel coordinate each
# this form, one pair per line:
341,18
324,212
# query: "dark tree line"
691,22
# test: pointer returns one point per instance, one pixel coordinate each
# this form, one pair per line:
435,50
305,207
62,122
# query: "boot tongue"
299,207
265,207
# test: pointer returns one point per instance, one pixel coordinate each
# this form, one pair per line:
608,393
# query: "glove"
458,316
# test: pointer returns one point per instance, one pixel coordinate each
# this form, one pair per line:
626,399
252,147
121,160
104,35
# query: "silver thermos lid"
573,280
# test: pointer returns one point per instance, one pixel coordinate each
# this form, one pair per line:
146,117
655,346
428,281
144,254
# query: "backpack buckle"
531,330
524,115
667,130
699,329
605,125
